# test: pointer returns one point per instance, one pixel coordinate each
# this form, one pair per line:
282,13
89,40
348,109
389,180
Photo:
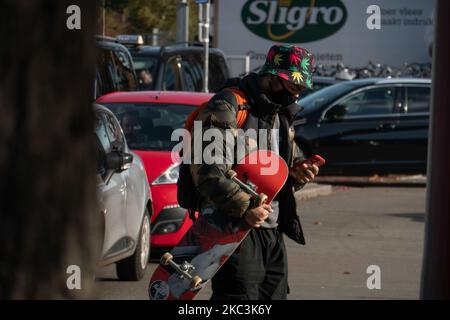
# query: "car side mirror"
127,159
116,162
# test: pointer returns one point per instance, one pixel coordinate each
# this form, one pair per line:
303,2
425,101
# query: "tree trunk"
48,210
436,258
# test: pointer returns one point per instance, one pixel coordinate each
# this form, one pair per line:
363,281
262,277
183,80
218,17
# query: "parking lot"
151,114
347,231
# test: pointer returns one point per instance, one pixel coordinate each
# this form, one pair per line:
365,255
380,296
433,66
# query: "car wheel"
133,268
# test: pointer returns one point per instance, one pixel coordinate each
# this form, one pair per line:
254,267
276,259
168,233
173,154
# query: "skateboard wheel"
166,258
195,282
231,174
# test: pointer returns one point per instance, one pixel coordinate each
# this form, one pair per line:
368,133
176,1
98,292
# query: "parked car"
367,126
177,67
124,197
114,70
148,119
320,82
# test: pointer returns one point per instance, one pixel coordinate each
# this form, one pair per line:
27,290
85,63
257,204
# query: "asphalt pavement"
347,232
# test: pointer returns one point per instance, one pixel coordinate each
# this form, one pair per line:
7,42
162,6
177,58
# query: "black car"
367,126
177,67
320,82
114,70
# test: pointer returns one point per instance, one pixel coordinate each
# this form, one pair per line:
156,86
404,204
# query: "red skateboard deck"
206,246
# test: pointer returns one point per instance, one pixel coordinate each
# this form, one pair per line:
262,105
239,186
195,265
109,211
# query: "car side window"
172,80
374,101
188,75
418,99
196,63
114,133
102,143
100,131
216,69
124,72
197,69
105,65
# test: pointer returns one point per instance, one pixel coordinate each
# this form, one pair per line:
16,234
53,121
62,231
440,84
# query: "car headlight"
168,176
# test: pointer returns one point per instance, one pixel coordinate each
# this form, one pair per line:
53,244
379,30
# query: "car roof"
157,50
176,97
106,43
150,50
325,79
405,80
370,81
360,82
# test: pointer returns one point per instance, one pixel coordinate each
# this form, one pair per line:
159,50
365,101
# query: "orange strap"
241,115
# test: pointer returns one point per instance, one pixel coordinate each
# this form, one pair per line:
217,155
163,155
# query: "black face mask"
282,97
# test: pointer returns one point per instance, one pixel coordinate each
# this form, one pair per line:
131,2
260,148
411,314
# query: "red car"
148,119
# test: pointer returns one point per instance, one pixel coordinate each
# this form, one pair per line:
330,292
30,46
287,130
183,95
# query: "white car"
125,199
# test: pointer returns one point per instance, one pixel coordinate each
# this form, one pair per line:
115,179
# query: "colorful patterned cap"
292,63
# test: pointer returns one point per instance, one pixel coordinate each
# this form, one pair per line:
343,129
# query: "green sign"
294,21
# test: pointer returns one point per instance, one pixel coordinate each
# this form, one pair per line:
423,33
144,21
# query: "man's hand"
256,216
304,173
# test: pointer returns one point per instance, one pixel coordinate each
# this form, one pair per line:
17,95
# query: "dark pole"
436,261
183,21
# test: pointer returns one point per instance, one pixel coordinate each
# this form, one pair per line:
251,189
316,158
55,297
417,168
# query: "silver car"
124,197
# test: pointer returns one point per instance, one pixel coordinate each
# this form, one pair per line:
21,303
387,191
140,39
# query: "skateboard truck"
183,270
261,198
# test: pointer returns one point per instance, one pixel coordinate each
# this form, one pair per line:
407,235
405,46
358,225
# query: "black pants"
256,271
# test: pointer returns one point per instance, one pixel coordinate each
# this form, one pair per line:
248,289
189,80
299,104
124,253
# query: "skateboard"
206,246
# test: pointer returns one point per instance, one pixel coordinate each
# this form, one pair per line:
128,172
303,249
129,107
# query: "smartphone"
315,159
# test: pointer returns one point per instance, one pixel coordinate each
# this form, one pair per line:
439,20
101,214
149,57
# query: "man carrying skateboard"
258,269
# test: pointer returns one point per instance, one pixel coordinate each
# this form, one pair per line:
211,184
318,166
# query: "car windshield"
145,70
324,96
150,126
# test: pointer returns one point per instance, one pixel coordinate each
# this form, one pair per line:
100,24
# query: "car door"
111,193
133,184
413,127
353,131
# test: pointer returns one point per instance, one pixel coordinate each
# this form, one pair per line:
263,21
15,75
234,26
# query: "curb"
388,181
312,190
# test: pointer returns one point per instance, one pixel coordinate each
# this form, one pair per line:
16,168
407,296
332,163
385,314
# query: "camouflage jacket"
210,180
